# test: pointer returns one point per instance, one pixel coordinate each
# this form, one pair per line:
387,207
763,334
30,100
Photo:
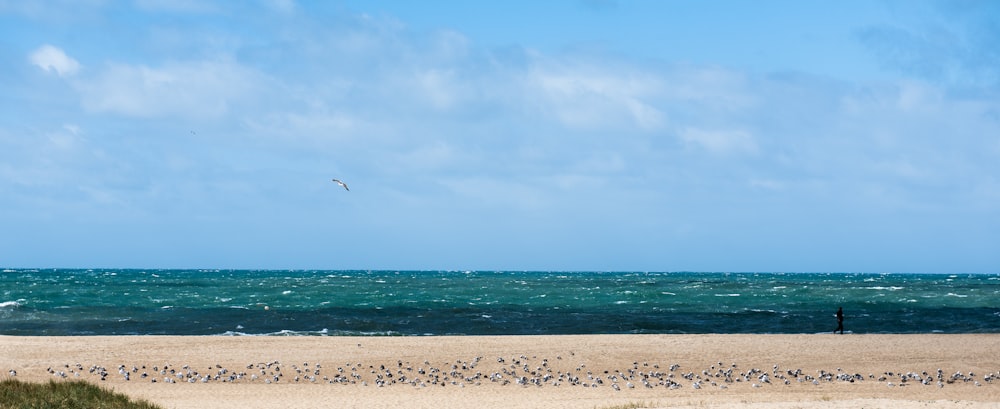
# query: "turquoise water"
199,302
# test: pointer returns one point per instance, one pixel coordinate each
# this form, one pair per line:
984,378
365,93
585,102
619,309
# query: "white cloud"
66,141
438,88
595,97
193,89
712,87
767,184
429,157
51,58
916,96
954,44
177,6
448,45
309,128
463,132
49,158
720,141
499,193
283,6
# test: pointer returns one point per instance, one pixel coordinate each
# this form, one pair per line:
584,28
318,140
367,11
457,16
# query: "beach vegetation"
16,394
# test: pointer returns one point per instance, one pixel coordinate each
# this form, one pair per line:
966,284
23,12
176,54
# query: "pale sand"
37,358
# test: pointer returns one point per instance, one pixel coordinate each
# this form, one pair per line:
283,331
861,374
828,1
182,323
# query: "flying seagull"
342,184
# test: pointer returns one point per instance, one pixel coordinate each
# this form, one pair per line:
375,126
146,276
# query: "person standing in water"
840,321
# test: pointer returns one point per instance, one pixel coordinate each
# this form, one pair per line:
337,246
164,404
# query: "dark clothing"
840,321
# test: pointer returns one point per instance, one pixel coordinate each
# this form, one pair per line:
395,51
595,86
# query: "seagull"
342,184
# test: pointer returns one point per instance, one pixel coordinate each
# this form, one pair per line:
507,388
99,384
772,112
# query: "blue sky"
521,135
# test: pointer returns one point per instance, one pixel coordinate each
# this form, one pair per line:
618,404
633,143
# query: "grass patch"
15,394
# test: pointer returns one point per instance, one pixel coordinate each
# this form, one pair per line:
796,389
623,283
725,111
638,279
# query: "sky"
569,135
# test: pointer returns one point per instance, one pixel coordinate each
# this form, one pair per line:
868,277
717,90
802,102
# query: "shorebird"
342,184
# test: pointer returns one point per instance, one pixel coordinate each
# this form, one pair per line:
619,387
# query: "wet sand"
570,371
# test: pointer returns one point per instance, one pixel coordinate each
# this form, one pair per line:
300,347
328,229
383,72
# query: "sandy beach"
570,371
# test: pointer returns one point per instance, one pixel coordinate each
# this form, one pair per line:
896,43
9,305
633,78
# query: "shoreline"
515,371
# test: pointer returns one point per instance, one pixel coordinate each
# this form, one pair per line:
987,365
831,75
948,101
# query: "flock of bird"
513,370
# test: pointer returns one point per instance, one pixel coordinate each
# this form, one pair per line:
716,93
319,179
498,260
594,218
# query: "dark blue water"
199,302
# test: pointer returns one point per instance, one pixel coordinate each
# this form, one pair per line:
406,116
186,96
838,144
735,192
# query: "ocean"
414,303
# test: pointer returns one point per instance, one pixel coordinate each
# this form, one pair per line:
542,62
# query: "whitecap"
955,295
728,295
10,304
286,292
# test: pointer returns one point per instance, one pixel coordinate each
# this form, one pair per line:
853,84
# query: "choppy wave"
390,303
10,304
322,332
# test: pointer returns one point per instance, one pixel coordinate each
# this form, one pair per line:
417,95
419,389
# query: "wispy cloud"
559,144
193,89
54,59
177,6
584,95
720,141
955,45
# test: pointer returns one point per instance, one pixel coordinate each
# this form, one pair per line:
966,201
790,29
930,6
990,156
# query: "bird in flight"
342,184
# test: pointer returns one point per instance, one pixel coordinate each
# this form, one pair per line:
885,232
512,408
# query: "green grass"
15,394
